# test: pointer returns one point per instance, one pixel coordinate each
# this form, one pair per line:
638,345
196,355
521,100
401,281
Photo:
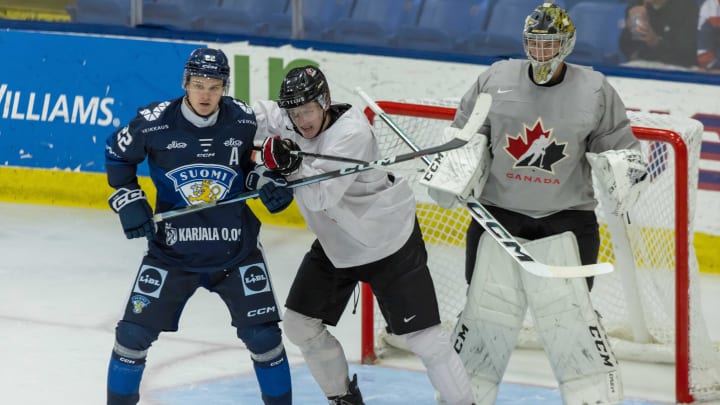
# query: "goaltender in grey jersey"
551,129
538,148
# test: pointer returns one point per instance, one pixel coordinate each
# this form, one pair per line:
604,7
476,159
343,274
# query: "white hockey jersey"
358,218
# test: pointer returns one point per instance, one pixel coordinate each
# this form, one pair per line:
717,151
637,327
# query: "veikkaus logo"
48,107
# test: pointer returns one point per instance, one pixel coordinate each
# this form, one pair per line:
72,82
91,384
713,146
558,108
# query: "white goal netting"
653,254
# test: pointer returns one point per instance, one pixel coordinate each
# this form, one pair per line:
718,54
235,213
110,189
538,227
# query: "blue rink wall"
62,94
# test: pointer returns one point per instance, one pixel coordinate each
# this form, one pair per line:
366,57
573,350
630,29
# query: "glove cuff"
124,196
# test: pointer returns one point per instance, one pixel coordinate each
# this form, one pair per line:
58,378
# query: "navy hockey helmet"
303,85
548,25
207,62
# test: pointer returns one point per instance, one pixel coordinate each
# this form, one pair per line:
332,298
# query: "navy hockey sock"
273,377
123,385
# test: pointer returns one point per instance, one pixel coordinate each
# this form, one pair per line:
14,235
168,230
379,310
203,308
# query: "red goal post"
660,259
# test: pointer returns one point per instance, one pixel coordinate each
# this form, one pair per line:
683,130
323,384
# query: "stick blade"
588,270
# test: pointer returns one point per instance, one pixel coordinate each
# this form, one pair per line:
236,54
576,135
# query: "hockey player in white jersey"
366,231
549,123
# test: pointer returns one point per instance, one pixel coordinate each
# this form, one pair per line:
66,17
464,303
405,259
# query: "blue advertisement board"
61,95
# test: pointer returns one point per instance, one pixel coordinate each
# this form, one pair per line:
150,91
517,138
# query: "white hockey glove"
621,174
457,172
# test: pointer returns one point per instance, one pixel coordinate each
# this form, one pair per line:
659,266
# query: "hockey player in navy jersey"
366,231
550,122
198,148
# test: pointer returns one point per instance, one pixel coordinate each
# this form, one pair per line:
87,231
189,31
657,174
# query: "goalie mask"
548,38
206,62
303,85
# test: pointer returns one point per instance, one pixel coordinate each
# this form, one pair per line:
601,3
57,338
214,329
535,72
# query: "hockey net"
650,305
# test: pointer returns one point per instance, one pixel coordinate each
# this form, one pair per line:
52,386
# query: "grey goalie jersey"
538,147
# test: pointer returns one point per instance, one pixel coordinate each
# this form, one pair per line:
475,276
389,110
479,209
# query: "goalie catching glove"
621,174
456,173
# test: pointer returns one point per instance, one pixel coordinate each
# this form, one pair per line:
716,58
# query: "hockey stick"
482,216
456,142
320,156
327,157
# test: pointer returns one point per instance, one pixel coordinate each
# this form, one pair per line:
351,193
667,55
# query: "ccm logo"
260,311
434,166
368,166
460,340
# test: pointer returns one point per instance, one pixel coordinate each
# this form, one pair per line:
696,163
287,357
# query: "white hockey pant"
322,352
444,367
574,340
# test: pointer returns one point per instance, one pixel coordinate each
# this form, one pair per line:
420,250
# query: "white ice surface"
65,274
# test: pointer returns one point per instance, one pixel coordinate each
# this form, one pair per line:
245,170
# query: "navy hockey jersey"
191,165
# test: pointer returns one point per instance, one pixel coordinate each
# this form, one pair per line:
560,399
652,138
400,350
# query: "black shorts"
160,293
401,283
583,224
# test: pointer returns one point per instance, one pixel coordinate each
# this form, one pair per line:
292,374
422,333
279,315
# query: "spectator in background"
708,37
662,31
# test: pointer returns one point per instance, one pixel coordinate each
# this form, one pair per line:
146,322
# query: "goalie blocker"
575,342
458,172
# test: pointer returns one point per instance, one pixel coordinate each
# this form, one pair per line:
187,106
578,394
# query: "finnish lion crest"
202,183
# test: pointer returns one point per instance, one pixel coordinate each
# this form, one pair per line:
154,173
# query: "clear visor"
306,112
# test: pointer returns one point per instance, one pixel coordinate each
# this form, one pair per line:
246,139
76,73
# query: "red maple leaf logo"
517,146
535,150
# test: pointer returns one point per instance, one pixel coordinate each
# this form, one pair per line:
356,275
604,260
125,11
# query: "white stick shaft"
482,216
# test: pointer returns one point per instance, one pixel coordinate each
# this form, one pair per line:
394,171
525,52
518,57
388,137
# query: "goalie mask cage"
650,305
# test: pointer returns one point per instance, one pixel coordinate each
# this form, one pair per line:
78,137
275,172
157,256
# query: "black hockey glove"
277,155
271,188
275,198
134,211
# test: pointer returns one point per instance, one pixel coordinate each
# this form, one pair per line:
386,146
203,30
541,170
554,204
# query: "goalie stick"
456,142
481,215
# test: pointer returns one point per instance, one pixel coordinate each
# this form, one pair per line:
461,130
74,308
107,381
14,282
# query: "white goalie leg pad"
322,352
444,367
574,340
458,171
621,175
488,327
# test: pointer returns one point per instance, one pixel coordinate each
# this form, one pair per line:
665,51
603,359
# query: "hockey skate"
353,396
